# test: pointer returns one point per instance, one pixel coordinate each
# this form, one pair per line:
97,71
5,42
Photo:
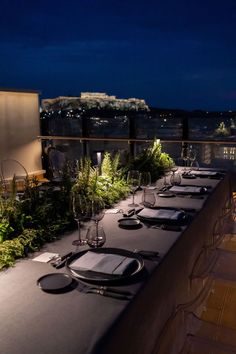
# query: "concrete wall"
19,128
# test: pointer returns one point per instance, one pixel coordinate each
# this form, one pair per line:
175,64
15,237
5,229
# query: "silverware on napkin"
60,261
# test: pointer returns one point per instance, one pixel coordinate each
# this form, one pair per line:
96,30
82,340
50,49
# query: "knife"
104,291
167,227
108,294
114,290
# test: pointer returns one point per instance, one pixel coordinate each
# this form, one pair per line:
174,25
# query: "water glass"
95,236
144,182
175,179
149,198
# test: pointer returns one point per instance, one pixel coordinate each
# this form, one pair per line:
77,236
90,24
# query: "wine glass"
192,156
96,236
133,182
185,156
144,181
80,212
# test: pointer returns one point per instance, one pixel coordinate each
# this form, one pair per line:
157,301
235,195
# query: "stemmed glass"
96,236
80,212
192,156
133,182
144,182
185,157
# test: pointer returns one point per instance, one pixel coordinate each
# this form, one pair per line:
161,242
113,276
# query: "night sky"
172,53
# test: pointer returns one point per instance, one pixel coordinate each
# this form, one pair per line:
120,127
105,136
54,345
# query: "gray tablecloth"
33,321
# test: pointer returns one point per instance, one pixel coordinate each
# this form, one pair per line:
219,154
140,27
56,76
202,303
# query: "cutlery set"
166,227
104,291
59,262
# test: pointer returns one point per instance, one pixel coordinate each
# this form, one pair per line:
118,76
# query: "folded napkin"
186,189
204,173
104,263
162,214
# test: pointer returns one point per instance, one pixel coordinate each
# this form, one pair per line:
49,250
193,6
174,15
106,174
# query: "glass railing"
208,154
79,133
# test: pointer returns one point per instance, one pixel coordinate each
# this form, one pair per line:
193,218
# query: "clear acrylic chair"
13,175
186,331
230,224
176,329
204,337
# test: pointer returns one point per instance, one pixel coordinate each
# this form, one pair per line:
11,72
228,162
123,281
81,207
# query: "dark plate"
101,278
128,223
55,282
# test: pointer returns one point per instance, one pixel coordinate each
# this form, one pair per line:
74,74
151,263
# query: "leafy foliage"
109,187
5,229
152,160
40,215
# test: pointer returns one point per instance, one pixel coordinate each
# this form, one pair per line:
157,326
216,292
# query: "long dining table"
36,322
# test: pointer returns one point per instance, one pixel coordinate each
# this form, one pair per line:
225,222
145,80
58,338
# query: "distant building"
94,100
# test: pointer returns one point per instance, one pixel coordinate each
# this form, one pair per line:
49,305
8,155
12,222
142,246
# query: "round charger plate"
166,195
91,276
129,223
188,176
55,282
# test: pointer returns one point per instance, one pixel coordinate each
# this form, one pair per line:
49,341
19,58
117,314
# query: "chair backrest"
12,170
179,324
207,337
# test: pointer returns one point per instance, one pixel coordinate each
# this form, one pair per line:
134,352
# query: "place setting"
175,188
164,218
138,180
191,174
96,270
105,265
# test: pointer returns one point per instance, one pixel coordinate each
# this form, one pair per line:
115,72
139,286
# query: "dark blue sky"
172,53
